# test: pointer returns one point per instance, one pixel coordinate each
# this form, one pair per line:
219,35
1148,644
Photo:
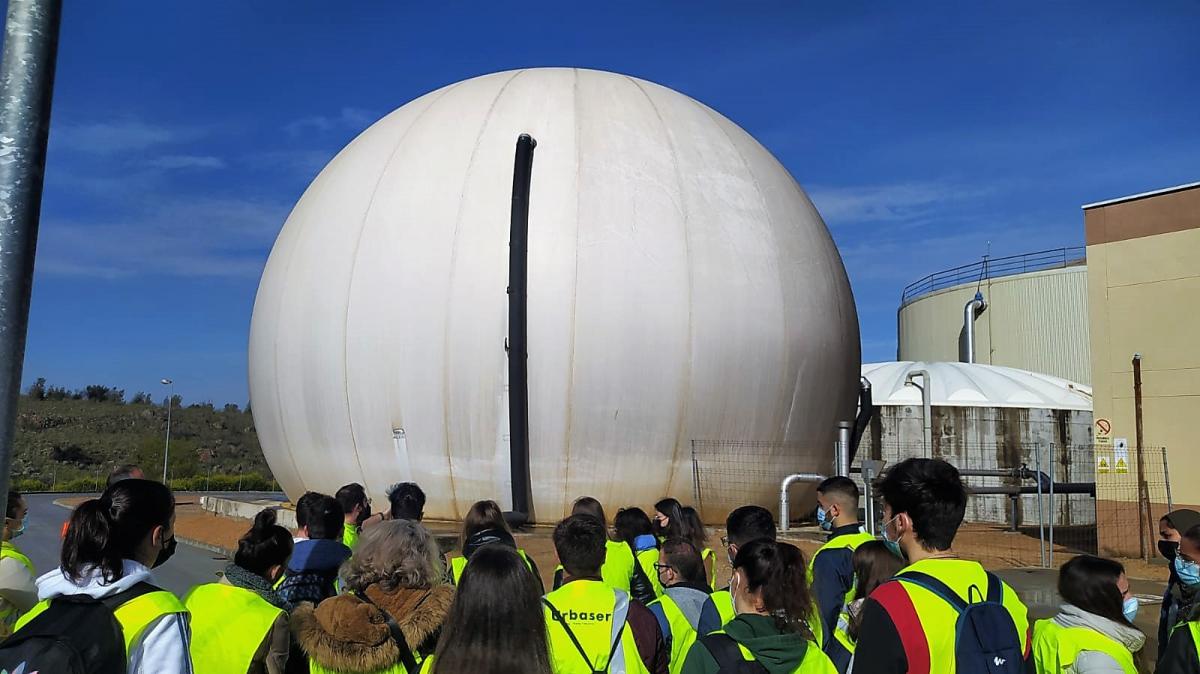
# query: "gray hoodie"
1095,662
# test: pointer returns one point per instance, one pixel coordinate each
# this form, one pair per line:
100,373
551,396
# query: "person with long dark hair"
240,624
617,571
698,536
496,624
634,529
669,521
484,525
18,592
874,564
771,627
112,544
1093,632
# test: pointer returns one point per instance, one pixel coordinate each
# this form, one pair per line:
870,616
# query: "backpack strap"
995,589
406,655
725,651
935,586
114,601
558,618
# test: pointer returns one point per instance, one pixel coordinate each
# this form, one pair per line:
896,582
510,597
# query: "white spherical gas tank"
681,287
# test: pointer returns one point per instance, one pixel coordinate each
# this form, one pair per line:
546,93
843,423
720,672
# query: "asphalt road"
188,568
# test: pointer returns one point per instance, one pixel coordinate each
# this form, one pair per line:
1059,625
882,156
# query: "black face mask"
363,515
165,553
1168,549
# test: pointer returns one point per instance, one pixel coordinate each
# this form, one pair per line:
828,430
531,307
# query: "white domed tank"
681,286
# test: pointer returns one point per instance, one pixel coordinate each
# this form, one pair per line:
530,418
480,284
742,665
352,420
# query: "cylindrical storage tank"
1036,317
681,286
986,417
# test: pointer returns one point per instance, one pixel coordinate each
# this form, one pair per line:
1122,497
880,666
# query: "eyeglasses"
661,567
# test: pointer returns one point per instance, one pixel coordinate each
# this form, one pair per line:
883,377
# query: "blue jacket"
833,576
312,571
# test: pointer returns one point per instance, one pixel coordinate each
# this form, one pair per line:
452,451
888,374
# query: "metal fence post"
696,479
1053,513
1167,479
1037,458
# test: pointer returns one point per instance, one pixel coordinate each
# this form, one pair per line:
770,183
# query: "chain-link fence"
1029,505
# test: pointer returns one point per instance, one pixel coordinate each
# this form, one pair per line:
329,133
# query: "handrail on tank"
815,478
999,267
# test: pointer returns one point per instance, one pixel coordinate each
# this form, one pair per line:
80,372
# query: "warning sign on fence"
1102,465
1122,466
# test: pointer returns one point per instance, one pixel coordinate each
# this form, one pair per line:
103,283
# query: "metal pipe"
1015,499
841,455
517,346
1037,458
1059,488
1053,515
815,478
1145,521
1167,477
926,405
870,470
26,88
866,410
972,309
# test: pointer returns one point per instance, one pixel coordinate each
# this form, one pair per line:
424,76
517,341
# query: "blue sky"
184,132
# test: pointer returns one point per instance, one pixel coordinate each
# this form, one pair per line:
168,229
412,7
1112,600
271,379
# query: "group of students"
351,592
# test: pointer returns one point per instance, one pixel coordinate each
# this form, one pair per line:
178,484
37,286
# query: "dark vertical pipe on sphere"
26,84
518,314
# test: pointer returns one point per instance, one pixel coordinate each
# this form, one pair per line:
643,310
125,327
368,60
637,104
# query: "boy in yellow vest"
831,572
18,593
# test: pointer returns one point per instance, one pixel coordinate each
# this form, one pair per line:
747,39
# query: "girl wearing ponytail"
112,543
773,606
260,636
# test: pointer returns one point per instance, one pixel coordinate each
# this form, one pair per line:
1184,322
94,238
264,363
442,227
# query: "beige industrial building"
1143,276
1035,317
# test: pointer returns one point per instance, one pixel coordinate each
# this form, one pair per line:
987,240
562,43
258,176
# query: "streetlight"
170,402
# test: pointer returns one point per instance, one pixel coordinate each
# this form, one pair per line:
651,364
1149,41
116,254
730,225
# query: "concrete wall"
1144,296
993,437
1036,321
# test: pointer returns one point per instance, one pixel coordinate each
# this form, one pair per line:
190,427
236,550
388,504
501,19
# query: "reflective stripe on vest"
647,559
682,635
349,534
1055,647
842,631
10,551
705,555
814,661
228,626
596,615
459,564
929,642
134,615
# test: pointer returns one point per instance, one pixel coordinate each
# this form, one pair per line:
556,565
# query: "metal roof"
975,385
1142,195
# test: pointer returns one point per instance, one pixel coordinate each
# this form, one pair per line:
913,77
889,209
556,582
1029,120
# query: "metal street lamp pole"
167,446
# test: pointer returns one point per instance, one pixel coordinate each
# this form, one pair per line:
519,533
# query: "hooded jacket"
1095,662
163,648
312,570
348,635
778,652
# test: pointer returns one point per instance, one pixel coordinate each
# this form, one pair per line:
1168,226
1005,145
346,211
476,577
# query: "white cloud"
186,161
887,203
113,137
353,119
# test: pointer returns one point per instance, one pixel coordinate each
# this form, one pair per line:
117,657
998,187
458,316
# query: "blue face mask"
1188,572
1131,608
24,523
823,520
894,546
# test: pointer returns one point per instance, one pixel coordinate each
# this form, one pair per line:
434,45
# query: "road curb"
205,546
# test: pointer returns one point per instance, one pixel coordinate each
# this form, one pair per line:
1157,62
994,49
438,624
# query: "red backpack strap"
894,599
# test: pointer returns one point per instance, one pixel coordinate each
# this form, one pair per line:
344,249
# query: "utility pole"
26,86
170,384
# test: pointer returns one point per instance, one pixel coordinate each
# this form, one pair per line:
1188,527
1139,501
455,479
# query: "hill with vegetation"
70,440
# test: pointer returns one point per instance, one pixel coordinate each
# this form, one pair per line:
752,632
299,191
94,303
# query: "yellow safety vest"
459,564
723,601
682,635
1195,628
842,631
814,661
617,571
1055,647
938,617
134,615
705,555
851,541
647,559
349,534
427,666
9,614
596,615
229,624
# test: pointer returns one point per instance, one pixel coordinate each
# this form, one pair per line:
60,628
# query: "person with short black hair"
771,628
18,592
1182,655
407,501
304,506
581,615
908,620
617,571
311,572
356,508
260,636
831,567
680,569
1093,632
1178,598
743,525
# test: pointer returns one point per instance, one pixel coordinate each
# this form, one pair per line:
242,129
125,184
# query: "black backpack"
986,639
76,634
729,658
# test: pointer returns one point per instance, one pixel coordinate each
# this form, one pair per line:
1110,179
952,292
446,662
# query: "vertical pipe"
842,449
1037,457
1053,514
868,476
970,311
1015,498
1167,479
926,407
518,355
26,86
1145,523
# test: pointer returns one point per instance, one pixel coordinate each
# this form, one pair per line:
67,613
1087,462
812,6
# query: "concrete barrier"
248,510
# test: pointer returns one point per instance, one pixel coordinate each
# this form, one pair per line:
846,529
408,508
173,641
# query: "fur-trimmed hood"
347,634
